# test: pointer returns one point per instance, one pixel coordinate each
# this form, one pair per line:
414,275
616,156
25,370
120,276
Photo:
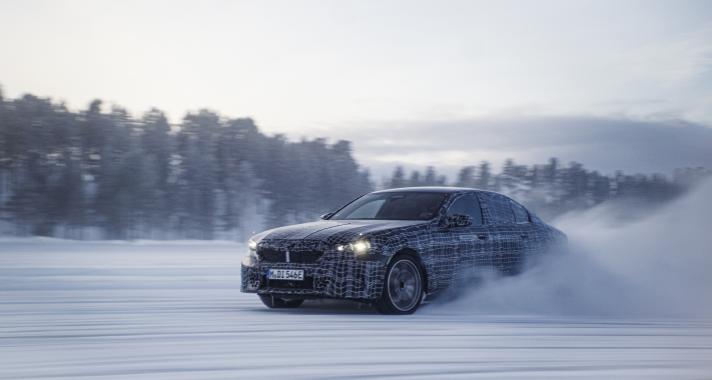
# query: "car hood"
336,230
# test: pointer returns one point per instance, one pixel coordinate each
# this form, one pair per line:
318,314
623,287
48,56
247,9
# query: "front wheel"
273,302
403,287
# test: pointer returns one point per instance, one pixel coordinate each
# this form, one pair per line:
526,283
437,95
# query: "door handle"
482,236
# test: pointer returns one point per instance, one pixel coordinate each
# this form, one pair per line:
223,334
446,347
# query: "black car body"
395,244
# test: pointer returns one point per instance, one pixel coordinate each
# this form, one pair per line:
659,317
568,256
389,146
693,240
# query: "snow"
148,310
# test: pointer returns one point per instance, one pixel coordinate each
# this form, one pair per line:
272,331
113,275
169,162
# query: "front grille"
277,255
271,255
308,283
305,257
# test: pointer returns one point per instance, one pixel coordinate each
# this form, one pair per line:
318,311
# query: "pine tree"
484,176
466,177
398,178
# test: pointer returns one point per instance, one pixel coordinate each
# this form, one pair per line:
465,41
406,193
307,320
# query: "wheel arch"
412,253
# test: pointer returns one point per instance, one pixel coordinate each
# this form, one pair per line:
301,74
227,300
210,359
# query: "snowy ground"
174,311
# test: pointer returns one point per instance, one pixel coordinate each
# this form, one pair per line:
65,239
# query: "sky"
409,82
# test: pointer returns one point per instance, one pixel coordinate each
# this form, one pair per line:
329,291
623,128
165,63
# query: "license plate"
286,274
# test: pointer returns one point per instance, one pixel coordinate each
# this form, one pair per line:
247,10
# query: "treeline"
95,174
103,174
552,189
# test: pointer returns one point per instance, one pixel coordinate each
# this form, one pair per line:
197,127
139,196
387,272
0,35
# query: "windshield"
393,206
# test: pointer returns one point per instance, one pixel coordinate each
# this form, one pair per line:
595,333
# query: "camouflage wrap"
445,254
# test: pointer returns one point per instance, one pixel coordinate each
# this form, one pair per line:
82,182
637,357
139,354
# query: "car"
392,248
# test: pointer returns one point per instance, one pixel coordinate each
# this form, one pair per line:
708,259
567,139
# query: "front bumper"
328,278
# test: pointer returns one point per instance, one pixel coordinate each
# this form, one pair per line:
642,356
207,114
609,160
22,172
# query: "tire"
273,302
402,287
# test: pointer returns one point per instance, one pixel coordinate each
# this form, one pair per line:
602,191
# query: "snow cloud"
657,266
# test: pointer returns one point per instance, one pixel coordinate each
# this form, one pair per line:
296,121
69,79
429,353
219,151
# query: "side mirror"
457,220
327,215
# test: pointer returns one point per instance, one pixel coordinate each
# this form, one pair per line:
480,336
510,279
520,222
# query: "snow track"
174,311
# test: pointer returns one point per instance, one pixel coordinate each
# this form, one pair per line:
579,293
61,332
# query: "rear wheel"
403,287
273,302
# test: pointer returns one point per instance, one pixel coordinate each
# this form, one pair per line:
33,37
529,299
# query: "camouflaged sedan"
393,247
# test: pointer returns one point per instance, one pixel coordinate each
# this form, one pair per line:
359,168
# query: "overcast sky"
416,70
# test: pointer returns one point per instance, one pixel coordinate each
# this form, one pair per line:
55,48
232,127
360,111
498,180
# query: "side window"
467,205
499,209
520,213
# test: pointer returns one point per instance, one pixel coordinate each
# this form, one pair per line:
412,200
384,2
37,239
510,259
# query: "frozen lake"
174,311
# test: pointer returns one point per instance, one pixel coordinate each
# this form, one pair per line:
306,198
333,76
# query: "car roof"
427,189
436,189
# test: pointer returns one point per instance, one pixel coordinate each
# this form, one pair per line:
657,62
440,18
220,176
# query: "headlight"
250,259
359,247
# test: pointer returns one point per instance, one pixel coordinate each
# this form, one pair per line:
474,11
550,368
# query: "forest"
104,174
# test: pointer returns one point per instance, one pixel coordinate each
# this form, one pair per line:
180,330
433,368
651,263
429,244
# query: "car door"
463,249
506,250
